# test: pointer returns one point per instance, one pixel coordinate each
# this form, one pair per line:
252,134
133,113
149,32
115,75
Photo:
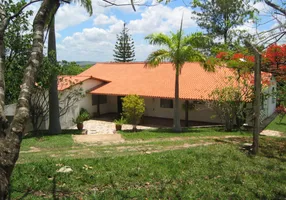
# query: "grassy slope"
212,172
276,126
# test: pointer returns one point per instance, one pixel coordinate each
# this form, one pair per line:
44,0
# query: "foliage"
124,50
18,39
83,116
120,121
281,110
274,61
178,50
221,17
71,68
230,102
133,108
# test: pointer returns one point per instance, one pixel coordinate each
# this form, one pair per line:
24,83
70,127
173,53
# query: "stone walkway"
272,133
104,127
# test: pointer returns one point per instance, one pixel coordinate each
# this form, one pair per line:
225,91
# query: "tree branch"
276,7
21,9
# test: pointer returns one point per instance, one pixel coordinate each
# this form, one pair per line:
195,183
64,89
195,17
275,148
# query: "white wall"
201,113
85,102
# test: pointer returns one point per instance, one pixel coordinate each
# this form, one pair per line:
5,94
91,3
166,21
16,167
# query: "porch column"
186,113
98,106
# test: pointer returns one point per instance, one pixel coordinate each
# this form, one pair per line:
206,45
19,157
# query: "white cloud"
161,18
70,15
102,19
97,44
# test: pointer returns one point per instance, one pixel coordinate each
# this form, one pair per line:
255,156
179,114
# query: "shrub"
83,115
281,110
133,109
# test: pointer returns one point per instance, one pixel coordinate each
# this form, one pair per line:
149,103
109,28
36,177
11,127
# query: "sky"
81,37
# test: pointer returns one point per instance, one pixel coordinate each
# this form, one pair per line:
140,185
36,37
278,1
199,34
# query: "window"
102,99
166,103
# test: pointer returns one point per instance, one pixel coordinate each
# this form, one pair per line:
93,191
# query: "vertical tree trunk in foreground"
54,110
10,143
177,123
257,81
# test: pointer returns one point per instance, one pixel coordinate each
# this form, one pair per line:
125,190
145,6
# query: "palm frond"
196,40
156,57
159,39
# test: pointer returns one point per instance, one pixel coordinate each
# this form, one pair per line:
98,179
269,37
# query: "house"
105,84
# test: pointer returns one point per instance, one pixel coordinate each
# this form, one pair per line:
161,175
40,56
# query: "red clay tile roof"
134,78
66,81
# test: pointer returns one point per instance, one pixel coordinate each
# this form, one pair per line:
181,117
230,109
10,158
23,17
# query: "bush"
133,109
281,110
83,115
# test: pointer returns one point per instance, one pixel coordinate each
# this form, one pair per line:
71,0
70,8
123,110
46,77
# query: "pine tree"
124,50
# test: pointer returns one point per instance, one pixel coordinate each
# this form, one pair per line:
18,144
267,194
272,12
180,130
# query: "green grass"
49,141
212,172
167,133
276,126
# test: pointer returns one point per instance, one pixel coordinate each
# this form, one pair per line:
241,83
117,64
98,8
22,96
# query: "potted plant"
119,123
83,115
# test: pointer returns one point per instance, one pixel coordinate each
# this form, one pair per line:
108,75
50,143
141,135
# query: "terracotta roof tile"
134,78
66,81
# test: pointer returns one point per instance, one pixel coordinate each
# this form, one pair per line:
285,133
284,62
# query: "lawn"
276,126
219,171
49,141
189,132
154,169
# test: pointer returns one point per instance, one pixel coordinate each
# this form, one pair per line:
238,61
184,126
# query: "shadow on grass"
42,133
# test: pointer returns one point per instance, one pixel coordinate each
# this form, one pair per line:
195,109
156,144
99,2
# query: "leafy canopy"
220,17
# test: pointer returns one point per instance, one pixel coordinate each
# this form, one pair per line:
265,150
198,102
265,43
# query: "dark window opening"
166,103
101,98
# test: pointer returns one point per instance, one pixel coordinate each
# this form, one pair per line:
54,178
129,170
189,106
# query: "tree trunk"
187,113
257,88
177,123
54,109
10,145
3,25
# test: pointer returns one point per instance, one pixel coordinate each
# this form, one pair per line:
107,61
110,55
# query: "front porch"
157,122
158,111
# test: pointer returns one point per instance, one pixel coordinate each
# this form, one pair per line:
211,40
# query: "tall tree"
54,111
18,40
124,50
179,49
220,17
11,135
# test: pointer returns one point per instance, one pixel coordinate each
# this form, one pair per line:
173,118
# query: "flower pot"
118,127
79,126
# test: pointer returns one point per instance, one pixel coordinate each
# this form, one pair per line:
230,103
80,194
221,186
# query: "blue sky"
81,37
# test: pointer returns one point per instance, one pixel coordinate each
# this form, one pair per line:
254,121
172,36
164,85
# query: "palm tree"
54,114
179,49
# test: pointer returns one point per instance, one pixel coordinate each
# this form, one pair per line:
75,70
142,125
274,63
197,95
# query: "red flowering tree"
274,61
229,103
